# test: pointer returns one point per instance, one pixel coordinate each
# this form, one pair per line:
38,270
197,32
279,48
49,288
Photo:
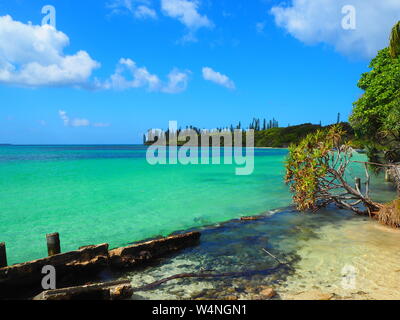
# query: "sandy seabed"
352,260
356,259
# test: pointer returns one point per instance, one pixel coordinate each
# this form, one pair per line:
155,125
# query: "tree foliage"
376,114
394,45
316,173
285,136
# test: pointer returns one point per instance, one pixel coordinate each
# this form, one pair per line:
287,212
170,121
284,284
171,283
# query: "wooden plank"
114,290
143,252
69,264
76,267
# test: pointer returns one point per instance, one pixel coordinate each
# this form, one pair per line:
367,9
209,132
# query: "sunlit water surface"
96,194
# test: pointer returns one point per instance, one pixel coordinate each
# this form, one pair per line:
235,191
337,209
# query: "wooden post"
53,244
358,183
387,175
3,255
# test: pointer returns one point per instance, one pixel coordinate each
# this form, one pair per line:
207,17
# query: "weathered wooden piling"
53,244
3,255
387,175
358,183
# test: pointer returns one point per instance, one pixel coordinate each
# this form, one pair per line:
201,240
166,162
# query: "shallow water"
96,194
352,260
333,252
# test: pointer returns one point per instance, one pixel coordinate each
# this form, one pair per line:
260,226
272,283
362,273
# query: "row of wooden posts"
53,248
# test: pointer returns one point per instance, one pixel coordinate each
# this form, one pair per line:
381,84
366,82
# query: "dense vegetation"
284,137
376,115
316,166
279,137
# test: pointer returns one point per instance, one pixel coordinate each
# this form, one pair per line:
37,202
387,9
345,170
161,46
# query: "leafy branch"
316,173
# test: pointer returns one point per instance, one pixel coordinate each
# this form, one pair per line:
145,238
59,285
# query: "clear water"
318,248
97,194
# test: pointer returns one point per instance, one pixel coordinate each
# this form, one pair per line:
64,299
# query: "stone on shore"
311,295
267,293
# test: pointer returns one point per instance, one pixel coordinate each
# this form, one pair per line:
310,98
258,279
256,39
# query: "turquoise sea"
98,194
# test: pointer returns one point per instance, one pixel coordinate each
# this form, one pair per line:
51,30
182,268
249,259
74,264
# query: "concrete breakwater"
23,280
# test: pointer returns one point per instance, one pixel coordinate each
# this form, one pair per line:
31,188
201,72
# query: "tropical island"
272,137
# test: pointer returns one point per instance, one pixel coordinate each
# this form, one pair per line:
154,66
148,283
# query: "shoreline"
303,286
233,228
298,285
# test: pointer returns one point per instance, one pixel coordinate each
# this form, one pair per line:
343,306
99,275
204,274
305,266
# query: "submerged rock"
267,293
311,295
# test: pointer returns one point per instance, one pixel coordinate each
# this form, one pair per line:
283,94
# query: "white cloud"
143,12
141,9
177,81
32,55
140,77
320,21
64,117
218,78
77,122
186,11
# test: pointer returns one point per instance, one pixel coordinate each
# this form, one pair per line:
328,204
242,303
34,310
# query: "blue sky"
113,69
